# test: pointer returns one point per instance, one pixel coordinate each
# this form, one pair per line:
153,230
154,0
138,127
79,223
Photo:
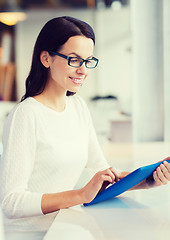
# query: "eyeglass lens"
77,62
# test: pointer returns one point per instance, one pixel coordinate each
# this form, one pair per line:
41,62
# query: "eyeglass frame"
81,63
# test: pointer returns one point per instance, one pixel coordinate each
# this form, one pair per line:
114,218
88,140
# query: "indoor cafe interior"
127,96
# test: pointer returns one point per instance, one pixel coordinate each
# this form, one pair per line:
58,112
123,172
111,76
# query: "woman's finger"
105,177
167,166
161,176
116,174
165,171
110,173
156,179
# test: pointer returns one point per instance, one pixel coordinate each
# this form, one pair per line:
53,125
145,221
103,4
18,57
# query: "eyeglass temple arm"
61,55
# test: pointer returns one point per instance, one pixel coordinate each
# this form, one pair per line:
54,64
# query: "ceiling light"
10,13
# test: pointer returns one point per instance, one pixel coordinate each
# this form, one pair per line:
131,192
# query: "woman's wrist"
82,195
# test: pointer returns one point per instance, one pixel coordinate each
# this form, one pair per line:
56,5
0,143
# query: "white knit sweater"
44,151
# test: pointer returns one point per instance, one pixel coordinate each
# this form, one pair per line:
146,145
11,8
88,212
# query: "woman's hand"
99,182
161,175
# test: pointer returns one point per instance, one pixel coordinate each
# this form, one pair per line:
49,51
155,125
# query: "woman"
49,137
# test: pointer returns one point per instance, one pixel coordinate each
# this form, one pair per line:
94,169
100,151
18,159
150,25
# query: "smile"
76,80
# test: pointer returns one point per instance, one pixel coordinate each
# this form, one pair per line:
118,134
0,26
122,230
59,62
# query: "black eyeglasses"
78,61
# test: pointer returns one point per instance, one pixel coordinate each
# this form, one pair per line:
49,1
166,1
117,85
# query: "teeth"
77,79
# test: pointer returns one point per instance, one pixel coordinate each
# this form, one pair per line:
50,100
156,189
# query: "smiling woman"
49,138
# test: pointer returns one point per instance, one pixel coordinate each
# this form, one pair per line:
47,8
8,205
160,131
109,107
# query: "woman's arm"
16,166
54,201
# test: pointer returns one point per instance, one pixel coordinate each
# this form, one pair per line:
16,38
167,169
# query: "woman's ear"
44,58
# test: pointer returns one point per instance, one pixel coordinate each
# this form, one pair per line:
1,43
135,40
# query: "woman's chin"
75,89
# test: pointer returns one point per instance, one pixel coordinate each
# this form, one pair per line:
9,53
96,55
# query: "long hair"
53,35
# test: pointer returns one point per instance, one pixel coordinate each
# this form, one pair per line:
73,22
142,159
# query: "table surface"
139,214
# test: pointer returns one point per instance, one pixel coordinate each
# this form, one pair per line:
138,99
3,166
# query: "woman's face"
63,76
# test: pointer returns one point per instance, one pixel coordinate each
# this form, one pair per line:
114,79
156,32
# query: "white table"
134,215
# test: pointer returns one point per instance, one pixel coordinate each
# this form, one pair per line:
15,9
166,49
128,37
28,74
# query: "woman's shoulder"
23,109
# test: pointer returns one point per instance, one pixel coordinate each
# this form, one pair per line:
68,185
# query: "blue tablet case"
125,183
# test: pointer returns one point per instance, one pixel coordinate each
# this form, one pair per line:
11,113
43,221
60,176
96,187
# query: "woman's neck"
53,100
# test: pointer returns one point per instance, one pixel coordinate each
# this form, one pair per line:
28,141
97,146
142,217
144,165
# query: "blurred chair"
102,108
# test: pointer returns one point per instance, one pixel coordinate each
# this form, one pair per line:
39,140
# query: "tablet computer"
125,183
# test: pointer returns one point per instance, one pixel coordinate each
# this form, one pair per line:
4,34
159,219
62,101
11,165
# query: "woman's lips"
76,80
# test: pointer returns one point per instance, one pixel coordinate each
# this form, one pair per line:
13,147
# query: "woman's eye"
74,60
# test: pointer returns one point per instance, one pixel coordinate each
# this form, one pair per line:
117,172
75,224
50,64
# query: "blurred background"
128,93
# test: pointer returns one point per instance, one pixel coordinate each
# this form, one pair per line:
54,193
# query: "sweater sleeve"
16,165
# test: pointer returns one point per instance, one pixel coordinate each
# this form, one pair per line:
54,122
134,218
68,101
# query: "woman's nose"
82,69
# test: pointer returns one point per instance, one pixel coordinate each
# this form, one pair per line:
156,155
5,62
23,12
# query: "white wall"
114,50
148,76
